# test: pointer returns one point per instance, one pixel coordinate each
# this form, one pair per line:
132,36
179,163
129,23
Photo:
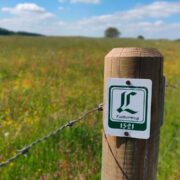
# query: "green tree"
5,32
140,37
112,32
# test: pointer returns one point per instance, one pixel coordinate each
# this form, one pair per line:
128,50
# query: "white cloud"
131,22
156,29
26,17
154,10
86,1
24,8
29,10
60,8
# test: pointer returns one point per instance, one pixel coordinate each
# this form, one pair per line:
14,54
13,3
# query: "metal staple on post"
25,150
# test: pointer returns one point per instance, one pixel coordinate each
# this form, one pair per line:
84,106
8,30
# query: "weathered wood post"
125,158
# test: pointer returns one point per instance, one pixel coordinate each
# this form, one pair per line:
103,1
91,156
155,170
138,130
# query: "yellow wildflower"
11,164
14,153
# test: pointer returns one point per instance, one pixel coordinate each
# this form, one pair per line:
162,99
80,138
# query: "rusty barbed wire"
25,150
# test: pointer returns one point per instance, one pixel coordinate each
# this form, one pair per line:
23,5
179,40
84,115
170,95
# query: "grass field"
46,81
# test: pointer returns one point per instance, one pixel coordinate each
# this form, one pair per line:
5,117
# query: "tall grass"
46,81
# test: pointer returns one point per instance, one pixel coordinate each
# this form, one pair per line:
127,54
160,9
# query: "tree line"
110,32
5,32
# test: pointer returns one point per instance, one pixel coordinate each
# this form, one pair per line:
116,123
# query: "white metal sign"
128,107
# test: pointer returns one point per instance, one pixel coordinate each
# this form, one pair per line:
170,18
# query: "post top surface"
133,52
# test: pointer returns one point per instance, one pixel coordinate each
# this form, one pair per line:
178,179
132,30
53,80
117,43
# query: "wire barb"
70,124
100,107
25,150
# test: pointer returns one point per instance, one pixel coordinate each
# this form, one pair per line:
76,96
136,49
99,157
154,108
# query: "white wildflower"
6,134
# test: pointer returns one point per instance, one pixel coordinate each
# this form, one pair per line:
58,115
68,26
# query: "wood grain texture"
137,157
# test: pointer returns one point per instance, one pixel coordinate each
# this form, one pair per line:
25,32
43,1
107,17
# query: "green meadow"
48,81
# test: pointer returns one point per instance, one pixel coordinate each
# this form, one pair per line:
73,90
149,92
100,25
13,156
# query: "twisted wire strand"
173,85
121,169
25,150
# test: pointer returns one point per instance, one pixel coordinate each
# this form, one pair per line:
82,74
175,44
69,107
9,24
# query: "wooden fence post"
129,158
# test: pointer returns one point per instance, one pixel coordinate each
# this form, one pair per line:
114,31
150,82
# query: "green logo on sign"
127,97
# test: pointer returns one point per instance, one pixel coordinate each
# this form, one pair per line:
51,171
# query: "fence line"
25,150
168,147
69,124
173,138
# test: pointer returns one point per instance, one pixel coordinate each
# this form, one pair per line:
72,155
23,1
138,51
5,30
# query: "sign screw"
126,133
128,82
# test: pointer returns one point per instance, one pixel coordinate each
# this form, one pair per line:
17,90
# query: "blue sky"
152,19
